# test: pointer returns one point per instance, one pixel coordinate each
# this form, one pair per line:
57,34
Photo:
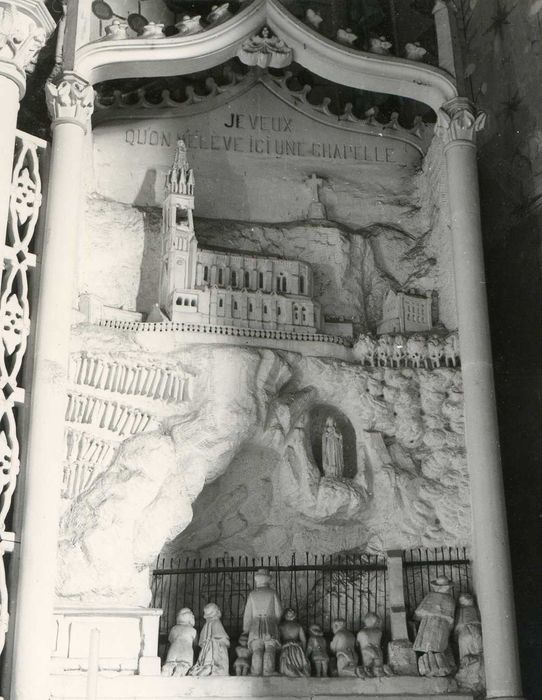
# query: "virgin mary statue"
332,449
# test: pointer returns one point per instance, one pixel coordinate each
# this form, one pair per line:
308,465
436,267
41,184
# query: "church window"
302,285
278,284
220,276
221,303
260,280
235,306
193,302
250,307
179,301
279,311
206,273
296,313
234,278
284,284
265,309
247,280
186,302
304,314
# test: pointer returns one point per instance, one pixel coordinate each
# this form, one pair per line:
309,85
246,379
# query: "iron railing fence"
421,566
321,588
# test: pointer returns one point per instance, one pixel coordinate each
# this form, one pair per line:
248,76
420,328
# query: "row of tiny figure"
108,415
124,378
268,630
402,351
298,657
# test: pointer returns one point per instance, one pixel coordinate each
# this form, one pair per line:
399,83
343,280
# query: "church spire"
180,178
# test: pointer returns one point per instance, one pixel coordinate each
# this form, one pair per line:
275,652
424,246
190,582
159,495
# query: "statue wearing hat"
263,611
436,615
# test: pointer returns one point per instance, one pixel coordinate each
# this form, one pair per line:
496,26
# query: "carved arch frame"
99,60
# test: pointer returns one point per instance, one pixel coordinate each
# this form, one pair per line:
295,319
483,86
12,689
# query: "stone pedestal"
128,640
402,658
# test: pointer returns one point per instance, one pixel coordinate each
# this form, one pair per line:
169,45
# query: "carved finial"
70,99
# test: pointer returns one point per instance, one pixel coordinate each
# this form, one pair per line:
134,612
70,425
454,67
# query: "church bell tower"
179,244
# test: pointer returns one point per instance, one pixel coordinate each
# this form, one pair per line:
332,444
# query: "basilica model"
224,287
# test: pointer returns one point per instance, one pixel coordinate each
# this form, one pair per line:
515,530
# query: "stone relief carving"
380,45
343,646
459,120
261,617
346,36
313,18
369,640
218,14
241,665
317,651
332,450
153,30
468,637
265,51
415,52
214,642
116,31
189,25
436,615
182,639
21,37
293,661
70,97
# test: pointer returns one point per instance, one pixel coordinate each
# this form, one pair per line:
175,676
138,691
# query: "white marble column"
492,570
25,26
70,101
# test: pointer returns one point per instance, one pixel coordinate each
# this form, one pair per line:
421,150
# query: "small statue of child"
317,651
241,665
369,639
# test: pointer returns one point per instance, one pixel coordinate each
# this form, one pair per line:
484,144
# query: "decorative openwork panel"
24,207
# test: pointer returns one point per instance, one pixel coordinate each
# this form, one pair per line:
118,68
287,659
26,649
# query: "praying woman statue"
332,449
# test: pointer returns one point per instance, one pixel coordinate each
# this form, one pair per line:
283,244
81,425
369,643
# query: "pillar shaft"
40,511
492,570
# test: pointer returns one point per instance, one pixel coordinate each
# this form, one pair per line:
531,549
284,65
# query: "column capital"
70,98
25,26
459,121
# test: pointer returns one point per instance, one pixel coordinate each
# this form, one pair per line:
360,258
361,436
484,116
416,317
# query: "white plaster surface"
245,432
394,688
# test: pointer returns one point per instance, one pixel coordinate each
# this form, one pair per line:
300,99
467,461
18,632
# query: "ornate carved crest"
265,51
